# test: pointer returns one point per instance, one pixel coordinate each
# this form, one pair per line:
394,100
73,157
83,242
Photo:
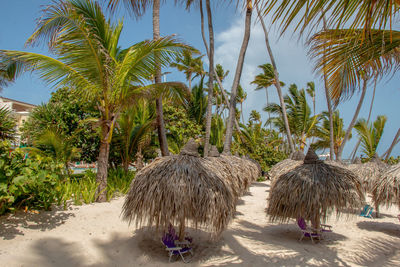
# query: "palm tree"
236,79
7,124
198,103
311,92
241,97
189,66
265,80
301,122
139,7
58,145
277,85
9,70
133,131
323,132
88,59
370,134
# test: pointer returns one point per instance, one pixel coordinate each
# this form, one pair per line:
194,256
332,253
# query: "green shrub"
27,181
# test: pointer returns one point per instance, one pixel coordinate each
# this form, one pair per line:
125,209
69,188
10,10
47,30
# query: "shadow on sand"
45,220
391,229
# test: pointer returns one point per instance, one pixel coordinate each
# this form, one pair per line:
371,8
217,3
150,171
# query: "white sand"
94,235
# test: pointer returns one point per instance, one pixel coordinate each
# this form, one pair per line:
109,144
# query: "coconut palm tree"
189,65
277,85
88,59
265,80
139,7
311,92
238,74
133,130
370,134
9,70
241,97
301,122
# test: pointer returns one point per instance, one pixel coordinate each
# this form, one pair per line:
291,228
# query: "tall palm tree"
238,74
370,134
88,59
277,85
265,80
139,7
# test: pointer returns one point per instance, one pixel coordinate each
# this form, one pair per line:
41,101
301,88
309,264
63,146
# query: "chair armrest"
326,225
174,248
184,242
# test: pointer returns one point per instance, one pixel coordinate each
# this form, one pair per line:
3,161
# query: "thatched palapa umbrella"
387,188
239,173
178,189
294,160
369,172
313,189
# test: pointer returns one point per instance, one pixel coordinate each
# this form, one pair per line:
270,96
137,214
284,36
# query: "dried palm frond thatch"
369,172
387,188
284,166
312,190
357,160
180,189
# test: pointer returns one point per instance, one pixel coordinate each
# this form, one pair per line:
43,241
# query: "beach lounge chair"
174,248
310,232
367,211
188,240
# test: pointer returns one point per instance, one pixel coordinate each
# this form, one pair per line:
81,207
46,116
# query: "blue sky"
18,20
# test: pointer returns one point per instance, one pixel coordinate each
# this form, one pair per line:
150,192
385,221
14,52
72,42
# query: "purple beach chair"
172,248
312,233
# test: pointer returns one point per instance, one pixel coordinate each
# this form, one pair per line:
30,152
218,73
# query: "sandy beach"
95,235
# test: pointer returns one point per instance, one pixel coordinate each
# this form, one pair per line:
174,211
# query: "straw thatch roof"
369,172
284,166
357,160
313,189
180,189
387,188
238,172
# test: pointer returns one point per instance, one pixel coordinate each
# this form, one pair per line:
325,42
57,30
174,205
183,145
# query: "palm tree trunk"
211,80
269,113
236,79
162,137
102,163
369,117
241,110
190,82
395,141
353,121
225,97
332,150
277,84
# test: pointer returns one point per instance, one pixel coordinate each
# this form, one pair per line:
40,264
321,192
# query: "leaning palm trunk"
394,142
225,97
211,80
353,121
277,84
236,79
162,137
312,191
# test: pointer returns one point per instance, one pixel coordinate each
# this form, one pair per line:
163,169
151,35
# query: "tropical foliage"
370,135
7,124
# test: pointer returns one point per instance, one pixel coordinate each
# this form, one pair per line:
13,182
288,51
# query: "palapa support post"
182,230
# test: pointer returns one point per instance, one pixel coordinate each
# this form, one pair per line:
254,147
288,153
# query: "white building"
21,111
